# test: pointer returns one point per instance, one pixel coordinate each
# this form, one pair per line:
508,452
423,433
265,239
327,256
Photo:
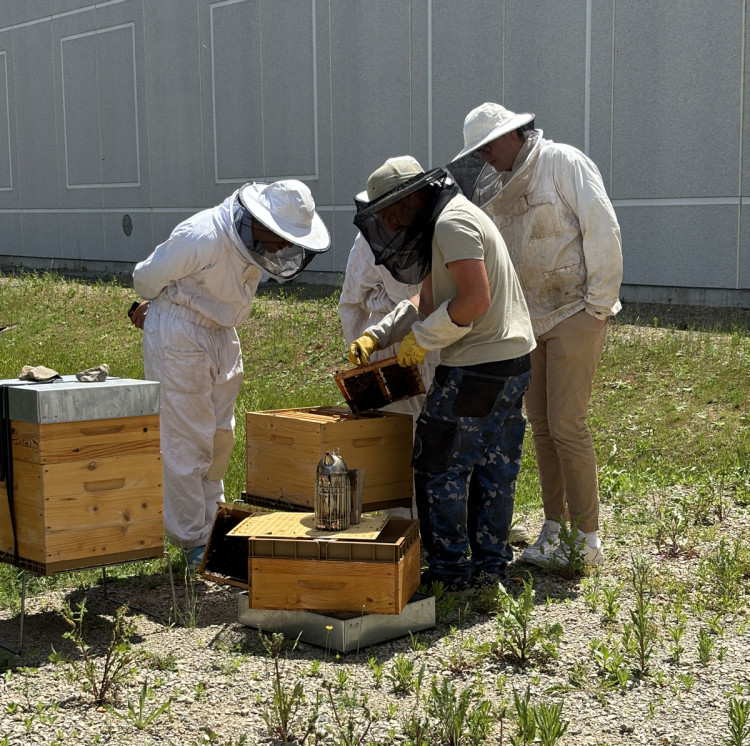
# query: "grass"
670,404
671,426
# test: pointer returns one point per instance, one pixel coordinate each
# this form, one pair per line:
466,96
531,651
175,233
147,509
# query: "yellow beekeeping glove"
410,352
361,349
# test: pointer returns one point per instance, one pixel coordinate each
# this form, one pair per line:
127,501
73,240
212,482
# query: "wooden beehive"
371,577
284,447
377,384
85,493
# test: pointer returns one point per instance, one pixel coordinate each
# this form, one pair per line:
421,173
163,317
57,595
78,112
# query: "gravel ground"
221,680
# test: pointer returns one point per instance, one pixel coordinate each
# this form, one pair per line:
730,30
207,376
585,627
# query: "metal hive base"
343,632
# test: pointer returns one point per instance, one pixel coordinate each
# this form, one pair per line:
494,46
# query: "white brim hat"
287,208
488,122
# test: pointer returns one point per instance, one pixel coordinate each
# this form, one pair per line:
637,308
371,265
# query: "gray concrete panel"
67,6
173,102
290,138
677,73
82,148
371,99
42,235
6,16
81,235
6,160
78,171
23,11
745,186
323,186
690,245
543,75
346,232
600,91
128,139
35,110
10,196
11,236
467,68
232,96
743,258
120,247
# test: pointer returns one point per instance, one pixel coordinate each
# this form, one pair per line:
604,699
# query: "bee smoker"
333,496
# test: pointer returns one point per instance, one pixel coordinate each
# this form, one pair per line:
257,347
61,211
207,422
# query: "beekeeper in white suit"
198,286
370,293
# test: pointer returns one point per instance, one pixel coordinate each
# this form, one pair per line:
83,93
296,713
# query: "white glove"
438,330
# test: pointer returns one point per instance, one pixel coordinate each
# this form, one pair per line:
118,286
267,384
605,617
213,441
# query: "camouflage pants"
467,453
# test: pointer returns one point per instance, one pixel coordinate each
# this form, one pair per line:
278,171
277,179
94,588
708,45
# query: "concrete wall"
121,117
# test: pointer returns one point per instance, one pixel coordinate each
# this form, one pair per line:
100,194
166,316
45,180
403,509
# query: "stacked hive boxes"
87,484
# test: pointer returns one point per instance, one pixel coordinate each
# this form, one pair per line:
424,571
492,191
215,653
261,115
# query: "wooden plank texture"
284,448
88,439
323,585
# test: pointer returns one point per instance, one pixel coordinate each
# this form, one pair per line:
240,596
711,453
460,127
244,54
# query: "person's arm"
358,281
182,254
580,185
472,297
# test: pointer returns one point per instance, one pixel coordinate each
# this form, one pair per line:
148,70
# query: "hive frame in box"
377,384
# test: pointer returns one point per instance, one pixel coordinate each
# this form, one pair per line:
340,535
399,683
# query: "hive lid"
71,400
302,525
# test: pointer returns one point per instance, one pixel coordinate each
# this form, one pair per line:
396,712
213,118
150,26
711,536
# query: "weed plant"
102,679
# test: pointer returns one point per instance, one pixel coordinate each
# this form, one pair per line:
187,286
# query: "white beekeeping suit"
368,295
199,285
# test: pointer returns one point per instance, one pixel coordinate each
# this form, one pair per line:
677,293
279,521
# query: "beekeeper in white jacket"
551,207
370,293
198,286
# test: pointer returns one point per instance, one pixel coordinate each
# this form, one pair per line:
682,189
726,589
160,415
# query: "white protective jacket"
203,266
201,282
560,228
370,293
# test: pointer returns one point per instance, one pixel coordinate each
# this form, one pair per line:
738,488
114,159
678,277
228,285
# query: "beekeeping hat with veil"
407,253
287,209
482,125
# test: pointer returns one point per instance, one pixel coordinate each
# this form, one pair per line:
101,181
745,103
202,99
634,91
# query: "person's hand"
361,349
410,352
138,317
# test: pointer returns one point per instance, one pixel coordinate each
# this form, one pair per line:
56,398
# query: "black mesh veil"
406,254
281,265
466,172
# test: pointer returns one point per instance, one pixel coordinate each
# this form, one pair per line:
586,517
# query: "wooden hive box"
371,577
87,489
284,448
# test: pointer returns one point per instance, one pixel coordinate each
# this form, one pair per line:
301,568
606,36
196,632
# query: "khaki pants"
562,374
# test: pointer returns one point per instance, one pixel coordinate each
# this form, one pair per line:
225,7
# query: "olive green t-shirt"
503,332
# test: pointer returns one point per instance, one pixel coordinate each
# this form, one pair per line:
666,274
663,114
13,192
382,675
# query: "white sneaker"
540,552
589,546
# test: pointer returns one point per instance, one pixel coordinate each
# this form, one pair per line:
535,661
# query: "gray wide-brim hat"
287,208
392,174
488,122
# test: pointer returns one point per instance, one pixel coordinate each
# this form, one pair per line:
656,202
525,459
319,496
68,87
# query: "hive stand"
22,614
